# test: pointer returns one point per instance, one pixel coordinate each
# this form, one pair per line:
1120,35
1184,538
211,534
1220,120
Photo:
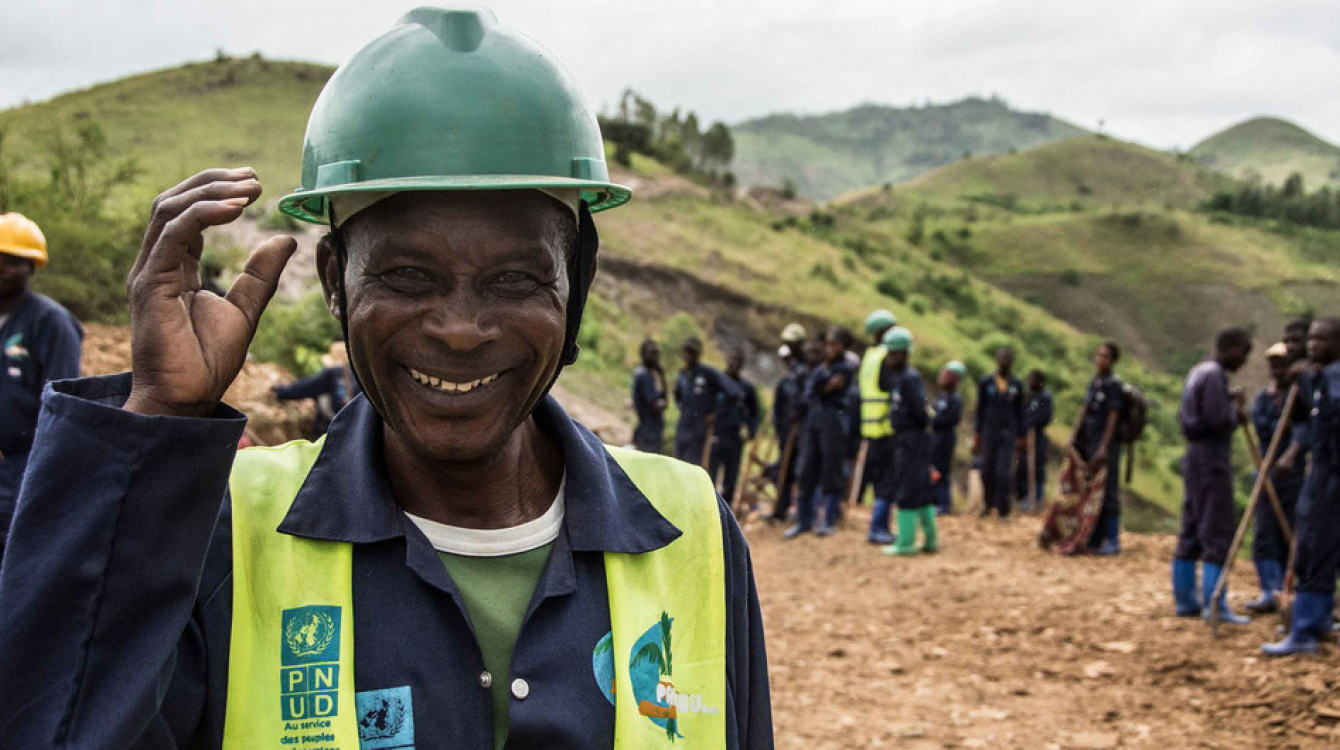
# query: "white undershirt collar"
457,540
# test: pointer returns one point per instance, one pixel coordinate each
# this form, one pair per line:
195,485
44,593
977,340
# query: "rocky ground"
995,643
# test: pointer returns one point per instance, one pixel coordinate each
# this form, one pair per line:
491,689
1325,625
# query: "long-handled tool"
858,472
748,468
1262,478
1033,470
1285,528
784,469
706,463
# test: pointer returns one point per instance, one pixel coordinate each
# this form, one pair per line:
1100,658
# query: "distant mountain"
1272,149
826,155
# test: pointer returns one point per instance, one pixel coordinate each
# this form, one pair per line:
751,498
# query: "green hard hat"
450,100
898,339
879,320
957,368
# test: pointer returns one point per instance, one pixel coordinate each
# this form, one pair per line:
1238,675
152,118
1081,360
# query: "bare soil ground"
995,643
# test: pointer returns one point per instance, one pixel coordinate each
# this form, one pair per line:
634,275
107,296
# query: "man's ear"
328,270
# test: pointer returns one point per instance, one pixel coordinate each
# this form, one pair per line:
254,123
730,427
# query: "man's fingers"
221,183
252,290
181,238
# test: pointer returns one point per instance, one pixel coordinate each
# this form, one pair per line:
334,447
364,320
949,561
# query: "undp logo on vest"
310,655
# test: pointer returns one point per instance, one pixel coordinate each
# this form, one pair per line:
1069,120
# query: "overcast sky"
1162,72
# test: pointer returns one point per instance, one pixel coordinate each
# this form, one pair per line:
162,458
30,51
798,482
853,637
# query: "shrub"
1070,277
291,331
889,286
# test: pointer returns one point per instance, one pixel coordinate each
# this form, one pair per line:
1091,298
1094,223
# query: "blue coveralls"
1104,397
1037,416
1000,422
787,414
117,592
1208,420
696,393
910,485
734,413
1318,527
1268,542
649,434
827,438
336,385
947,413
39,342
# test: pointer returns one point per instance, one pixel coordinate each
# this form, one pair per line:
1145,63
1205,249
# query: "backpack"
1134,414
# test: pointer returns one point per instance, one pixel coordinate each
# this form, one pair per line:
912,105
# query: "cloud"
1166,74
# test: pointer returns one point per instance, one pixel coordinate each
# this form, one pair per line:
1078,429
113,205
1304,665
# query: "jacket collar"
347,494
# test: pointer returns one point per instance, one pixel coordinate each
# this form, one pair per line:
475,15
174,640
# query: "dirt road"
994,643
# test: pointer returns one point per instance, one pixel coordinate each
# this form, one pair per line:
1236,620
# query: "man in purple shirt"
1209,414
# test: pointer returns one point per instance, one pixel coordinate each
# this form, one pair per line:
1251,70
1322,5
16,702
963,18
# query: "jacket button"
485,680
520,689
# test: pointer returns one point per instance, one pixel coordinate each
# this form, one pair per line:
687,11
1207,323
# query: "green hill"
228,112
1272,149
826,155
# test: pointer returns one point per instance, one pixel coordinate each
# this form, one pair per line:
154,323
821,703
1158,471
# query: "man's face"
1295,340
1004,359
814,353
1035,383
896,360
15,272
690,356
734,363
1279,368
1323,343
651,355
947,380
1236,356
457,310
832,349
1102,359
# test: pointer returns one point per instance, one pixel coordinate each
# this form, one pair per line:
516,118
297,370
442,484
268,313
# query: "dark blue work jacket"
1104,396
117,589
947,413
1267,408
39,342
696,395
1000,413
737,412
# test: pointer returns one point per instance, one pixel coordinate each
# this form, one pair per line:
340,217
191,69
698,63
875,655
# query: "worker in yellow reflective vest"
876,430
457,563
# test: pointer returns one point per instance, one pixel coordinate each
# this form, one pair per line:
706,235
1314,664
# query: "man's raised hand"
187,344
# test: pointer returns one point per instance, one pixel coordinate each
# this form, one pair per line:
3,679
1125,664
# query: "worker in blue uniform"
908,484
1210,413
809,356
649,399
331,387
999,430
827,431
1318,559
39,342
698,386
1094,438
875,431
1270,550
946,413
737,418
1037,417
479,556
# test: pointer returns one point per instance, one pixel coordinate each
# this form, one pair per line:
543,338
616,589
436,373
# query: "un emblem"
311,634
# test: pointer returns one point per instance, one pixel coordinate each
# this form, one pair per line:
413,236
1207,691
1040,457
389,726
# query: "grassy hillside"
228,112
825,155
1105,235
1272,149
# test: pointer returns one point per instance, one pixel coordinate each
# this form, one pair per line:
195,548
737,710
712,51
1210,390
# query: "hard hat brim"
38,257
311,205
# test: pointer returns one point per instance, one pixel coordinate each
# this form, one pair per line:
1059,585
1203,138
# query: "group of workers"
1296,417
846,423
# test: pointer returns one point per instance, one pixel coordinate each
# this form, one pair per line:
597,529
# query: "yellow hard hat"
21,237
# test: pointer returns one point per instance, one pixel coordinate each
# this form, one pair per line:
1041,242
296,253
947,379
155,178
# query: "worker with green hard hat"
875,454
946,414
908,485
457,563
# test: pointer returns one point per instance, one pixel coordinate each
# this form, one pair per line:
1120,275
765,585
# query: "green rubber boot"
928,528
907,535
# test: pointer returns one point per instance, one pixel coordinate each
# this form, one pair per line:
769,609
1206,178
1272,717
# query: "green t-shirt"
497,591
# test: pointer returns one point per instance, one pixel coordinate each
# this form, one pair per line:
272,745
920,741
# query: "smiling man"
457,563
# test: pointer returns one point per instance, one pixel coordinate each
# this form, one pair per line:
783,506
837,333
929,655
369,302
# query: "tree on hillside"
674,139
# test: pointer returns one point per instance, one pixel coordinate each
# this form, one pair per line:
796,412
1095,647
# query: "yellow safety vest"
874,402
291,659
